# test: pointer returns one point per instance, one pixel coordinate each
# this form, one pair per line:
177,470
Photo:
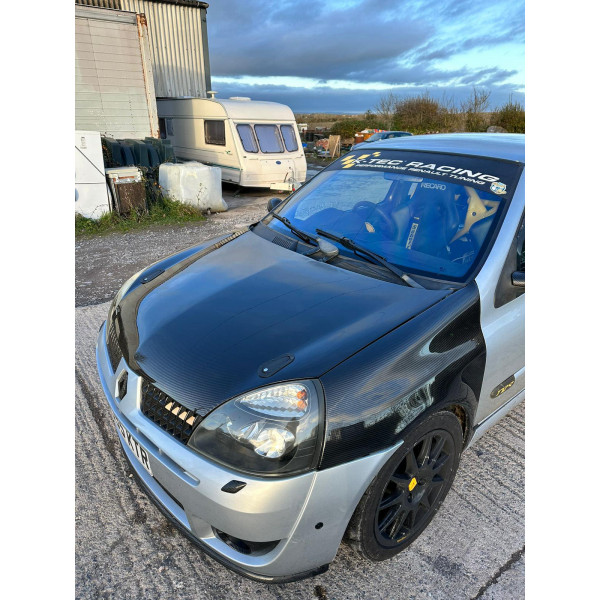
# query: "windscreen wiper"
351,245
327,250
305,237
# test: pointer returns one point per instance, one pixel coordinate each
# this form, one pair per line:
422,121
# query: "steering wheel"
389,228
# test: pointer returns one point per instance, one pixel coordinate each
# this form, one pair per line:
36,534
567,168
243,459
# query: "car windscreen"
431,214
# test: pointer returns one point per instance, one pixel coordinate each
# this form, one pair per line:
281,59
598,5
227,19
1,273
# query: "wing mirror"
273,203
518,279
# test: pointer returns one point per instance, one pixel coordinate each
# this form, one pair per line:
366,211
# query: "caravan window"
214,132
289,138
268,138
247,137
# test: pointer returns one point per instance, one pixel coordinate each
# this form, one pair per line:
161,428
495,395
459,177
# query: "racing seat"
434,220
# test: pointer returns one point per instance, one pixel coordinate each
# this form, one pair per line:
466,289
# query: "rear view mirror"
273,203
518,279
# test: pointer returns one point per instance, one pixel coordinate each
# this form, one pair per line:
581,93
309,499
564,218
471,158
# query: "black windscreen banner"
486,174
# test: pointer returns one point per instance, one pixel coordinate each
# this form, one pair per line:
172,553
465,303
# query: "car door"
502,292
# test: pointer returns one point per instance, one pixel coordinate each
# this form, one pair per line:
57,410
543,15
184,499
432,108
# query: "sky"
342,55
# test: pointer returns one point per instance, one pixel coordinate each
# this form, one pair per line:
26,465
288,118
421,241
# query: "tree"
473,109
386,108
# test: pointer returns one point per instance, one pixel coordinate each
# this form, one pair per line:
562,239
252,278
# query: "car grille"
114,352
173,417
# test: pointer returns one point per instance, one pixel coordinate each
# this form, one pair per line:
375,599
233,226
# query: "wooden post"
334,146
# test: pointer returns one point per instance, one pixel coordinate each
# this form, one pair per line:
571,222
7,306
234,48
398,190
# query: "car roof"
509,146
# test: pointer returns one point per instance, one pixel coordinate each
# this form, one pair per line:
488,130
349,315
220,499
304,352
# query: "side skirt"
495,417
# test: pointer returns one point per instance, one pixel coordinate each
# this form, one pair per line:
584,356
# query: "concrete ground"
125,548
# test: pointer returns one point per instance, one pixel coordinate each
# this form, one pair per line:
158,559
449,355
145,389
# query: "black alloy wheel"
409,489
414,487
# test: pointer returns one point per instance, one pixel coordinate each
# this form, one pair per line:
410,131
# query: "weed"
163,211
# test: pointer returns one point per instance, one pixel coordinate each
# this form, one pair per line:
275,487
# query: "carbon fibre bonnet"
205,332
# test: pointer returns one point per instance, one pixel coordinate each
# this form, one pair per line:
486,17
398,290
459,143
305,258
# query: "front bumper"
296,523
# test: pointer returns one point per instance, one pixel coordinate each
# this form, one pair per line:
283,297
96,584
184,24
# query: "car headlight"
274,430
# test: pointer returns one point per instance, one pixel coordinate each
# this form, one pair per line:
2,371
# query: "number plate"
137,450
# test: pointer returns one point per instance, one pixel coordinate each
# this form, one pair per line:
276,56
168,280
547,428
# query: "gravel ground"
474,548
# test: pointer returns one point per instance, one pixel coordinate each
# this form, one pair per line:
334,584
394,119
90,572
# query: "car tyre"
408,491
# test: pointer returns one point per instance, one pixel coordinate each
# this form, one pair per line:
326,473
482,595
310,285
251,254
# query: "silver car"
318,374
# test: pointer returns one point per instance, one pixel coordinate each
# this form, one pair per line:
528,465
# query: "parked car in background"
319,373
382,135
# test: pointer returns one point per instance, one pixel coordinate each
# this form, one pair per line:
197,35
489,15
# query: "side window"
289,138
521,248
170,127
506,290
268,138
214,132
162,127
247,137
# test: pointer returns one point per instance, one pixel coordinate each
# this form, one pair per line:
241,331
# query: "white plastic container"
193,183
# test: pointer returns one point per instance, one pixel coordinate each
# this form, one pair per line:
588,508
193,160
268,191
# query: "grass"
164,212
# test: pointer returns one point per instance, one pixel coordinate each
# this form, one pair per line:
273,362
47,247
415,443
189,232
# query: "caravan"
256,144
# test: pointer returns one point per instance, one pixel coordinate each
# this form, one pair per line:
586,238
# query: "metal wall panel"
114,88
178,47
116,4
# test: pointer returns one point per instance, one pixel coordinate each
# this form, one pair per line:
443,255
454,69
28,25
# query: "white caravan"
256,144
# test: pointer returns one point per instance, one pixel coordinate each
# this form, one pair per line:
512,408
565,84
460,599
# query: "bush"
348,127
373,121
510,116
423,114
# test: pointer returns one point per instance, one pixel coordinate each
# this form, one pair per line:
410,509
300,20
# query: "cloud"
414,43
311,42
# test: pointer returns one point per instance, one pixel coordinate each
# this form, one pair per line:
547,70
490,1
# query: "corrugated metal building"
178,43
114,88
